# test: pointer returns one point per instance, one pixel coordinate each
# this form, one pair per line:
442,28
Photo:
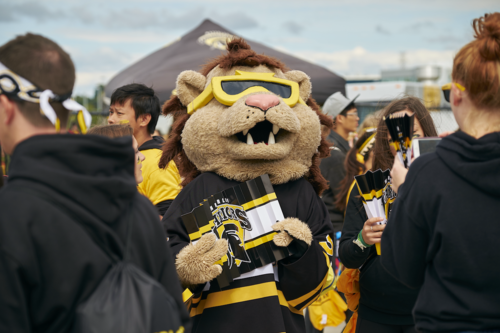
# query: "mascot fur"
221,138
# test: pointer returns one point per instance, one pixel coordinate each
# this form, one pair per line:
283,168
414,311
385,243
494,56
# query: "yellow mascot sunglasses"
447,89
229,89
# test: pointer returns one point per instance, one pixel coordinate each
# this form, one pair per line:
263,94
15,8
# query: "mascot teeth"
245,132
271,141
275,129
249,139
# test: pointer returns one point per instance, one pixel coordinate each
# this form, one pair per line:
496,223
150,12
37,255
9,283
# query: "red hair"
477,65
239,54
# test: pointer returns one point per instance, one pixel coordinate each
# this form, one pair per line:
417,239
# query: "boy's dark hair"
46,65
347,109
142,99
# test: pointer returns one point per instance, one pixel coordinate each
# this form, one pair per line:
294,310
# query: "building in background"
423,82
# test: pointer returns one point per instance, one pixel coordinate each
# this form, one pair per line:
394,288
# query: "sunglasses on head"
447,89
229,89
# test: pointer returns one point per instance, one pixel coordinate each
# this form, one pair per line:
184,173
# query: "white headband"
15,85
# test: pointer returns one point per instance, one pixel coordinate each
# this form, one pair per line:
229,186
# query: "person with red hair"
443,232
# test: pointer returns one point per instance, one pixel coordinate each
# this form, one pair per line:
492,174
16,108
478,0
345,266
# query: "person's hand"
372,232
398,174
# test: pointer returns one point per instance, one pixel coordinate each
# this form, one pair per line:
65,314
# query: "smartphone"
424,145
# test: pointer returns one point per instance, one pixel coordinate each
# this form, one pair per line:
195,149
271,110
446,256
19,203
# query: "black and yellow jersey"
161,186
269,298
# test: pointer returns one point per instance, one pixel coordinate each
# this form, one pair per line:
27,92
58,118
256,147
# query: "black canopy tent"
160,69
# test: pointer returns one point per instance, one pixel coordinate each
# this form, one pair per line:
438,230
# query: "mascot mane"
239,54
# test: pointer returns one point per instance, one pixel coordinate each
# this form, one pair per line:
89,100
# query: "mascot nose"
263,102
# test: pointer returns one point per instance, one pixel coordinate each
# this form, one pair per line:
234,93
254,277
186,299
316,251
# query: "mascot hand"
295,235
289,229
195,262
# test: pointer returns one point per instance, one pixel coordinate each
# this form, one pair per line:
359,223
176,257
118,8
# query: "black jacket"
48,262
383,299
262,300
443,235
332,168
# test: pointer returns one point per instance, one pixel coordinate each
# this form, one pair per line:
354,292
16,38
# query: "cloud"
450,41
134,18
102,59
32,9
381,30
361,61
234,20
120,37
84,14
418,26
6,14
98,66
87,81
128,17
293,27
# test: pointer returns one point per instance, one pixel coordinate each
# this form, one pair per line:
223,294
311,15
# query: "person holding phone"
385,304
443,233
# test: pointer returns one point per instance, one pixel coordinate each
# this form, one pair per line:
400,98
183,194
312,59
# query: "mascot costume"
245,115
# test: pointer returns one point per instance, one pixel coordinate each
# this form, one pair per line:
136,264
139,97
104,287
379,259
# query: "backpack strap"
126,250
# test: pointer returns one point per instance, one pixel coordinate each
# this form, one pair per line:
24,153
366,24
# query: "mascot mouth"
262,132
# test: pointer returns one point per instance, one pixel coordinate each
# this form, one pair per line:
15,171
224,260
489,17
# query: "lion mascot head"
244,115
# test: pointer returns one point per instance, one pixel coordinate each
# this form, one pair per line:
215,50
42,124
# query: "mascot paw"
291,228
195,262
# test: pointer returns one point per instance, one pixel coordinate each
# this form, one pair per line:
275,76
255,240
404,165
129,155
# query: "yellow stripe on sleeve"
283,302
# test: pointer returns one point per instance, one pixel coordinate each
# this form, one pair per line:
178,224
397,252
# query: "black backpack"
127,300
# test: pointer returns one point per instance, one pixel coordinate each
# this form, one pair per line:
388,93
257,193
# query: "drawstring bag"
127,300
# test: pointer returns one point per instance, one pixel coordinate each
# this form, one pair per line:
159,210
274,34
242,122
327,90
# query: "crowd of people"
76,209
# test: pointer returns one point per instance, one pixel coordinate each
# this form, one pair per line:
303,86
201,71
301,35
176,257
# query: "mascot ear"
304,83
190,85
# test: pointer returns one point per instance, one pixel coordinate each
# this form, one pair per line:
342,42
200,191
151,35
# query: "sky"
355,37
